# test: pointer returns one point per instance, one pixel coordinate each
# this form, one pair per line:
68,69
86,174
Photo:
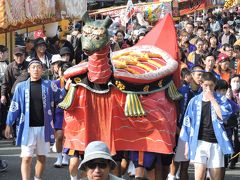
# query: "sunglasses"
93,165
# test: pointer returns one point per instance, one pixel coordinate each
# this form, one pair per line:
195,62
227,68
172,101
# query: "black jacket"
12,73
232,39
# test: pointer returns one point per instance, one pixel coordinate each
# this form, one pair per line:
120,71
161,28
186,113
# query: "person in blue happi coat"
203,130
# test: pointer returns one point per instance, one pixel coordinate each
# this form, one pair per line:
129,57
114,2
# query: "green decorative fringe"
173,92
133,106
68,100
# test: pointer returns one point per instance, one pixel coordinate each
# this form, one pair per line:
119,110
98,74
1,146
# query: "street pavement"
10,153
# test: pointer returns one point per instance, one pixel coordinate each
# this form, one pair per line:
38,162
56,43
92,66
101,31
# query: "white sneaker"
171,177
65,160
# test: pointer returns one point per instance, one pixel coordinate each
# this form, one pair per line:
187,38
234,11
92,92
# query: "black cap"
3,48
39,41
18,50
65,50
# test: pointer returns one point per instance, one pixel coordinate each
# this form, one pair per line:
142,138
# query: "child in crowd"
60,82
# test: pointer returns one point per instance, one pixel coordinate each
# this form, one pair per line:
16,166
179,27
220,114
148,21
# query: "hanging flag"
129,11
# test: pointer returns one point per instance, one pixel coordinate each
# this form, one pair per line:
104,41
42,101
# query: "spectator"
236,49
223,67
66,54
14,70
206,139
32,108
189,29
227,37
3,67
98,162
184,44
52,44
119,42
205,46
228,50
234,95
56,59
209,62
66,44
29,46
196,57
40,53
214,25
213,45
200,34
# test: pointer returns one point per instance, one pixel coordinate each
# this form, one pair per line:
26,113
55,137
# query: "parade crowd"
208,124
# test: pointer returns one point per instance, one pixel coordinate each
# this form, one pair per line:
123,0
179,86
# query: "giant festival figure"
125,99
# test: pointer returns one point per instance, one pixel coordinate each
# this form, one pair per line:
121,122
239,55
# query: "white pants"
209,154
36,141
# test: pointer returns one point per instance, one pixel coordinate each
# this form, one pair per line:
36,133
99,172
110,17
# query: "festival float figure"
123,102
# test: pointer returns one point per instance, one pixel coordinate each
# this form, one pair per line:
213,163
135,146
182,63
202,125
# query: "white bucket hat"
97,150
56,58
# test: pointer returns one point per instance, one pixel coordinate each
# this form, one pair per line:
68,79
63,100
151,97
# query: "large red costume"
98,108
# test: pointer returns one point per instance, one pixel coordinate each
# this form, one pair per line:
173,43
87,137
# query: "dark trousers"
3,117
236,145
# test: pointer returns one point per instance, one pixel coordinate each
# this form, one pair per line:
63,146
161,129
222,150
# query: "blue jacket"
19,109
191,123
187,94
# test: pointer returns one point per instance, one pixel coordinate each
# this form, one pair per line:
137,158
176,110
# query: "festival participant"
97,162
188,91
62,158
202,130
32,108
222,87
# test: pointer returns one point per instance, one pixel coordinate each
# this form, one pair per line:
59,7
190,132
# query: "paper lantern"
51,29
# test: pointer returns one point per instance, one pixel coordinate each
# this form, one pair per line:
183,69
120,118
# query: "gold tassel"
133,106
173,92
68,100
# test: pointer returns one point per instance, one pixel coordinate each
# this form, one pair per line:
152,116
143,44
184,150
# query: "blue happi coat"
19,109
191,123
